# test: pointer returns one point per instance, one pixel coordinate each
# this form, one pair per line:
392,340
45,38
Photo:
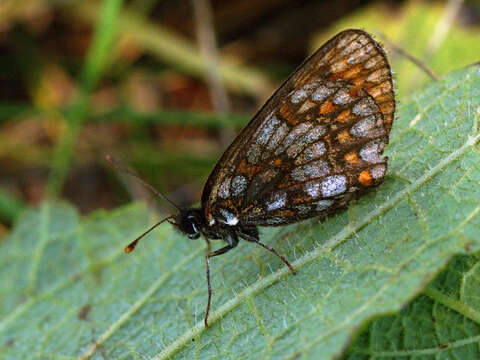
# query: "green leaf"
69,291
442,324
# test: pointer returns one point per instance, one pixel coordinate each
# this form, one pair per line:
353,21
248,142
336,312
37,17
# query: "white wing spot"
267,131
230,219
224,189
371,152
364,107
368,126
298,96
297,131
342,97
279,134
239,184
315,133
278,201
322,93
312,152
306,139
312,188
378,171
310,171
302,94
334,185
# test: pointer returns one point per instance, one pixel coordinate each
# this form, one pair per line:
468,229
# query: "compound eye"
191,227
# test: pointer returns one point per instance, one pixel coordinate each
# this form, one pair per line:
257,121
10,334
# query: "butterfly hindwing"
314,144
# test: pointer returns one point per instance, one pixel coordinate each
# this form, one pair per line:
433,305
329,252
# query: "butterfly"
315,144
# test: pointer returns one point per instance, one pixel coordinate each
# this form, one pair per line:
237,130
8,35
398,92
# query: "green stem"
97,57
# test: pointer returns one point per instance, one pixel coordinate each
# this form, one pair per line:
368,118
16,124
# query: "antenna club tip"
128,249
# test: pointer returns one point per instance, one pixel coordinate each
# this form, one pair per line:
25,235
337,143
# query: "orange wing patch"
365,178
351,157
327,107
344,137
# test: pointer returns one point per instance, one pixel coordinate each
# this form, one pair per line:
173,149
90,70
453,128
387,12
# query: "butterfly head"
189,222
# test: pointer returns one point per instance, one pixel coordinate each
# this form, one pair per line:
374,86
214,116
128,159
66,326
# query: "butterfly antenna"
399,50
130,247
116,165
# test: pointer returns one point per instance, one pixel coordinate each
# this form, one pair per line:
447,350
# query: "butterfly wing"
314,144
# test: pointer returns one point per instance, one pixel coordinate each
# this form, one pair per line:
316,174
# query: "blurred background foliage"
164,86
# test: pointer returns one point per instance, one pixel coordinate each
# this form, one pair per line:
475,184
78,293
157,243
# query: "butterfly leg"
269,248
232,242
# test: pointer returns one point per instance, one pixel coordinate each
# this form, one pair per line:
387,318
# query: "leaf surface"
69,291
443,323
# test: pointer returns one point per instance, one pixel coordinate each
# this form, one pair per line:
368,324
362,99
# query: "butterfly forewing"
315,143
